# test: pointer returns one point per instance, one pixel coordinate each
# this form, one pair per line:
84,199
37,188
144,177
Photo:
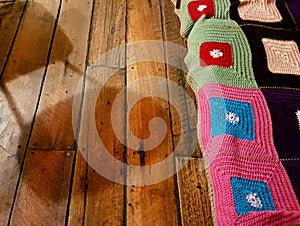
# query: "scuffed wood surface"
46,49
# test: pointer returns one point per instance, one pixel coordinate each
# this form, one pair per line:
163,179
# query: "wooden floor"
46,47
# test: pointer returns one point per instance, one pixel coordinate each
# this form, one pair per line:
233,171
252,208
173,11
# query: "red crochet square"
198,8
216,53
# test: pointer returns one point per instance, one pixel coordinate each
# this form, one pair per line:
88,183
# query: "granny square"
251,196
216,53
198,8
235,119
262,11
231,117
283,57
275,56
271,13
246,186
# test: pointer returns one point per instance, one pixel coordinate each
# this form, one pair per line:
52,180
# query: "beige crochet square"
259,10
283,56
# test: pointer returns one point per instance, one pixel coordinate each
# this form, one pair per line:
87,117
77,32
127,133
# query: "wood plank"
43,195
188,123
53,125
102,199
10,16
5,8
79,188
108,31
20,90
151,204
193,191
105,199
193,212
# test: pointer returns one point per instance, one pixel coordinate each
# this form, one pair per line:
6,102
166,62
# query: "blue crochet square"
232,118
251,196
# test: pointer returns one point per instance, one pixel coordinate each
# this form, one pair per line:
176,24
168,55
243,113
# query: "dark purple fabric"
283,105
294,8
293,170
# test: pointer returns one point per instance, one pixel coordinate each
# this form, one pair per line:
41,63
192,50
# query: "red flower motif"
216,53
198,8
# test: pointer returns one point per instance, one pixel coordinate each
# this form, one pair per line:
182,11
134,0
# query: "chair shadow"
45,179
22,61
26,59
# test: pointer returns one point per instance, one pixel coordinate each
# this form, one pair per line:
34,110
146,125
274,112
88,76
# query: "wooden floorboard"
43,194
103,199
175,73
193,191
11,15
46,49
151,204
53,125
96,200
20,84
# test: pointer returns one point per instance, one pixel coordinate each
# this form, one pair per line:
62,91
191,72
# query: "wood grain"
78,191
104,199
53,125
188,123
109,24
10,18
95,199
43,194
20,85
150,204
193,190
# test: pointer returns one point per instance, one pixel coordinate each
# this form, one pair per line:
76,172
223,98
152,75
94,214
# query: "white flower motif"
216,53
298,117
254,200
232,118
201,7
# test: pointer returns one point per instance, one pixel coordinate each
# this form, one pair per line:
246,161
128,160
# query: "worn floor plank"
150,204
109,24
10,17
79,187
193,190
102,199
43,194
20,85
66,68
189,121
67,61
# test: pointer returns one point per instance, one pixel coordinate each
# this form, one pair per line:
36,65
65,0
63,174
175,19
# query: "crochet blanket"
244,67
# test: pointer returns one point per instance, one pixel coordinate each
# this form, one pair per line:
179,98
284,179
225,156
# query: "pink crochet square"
269,172
261,145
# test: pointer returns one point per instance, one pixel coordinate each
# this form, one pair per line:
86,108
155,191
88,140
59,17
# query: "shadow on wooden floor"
20,66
